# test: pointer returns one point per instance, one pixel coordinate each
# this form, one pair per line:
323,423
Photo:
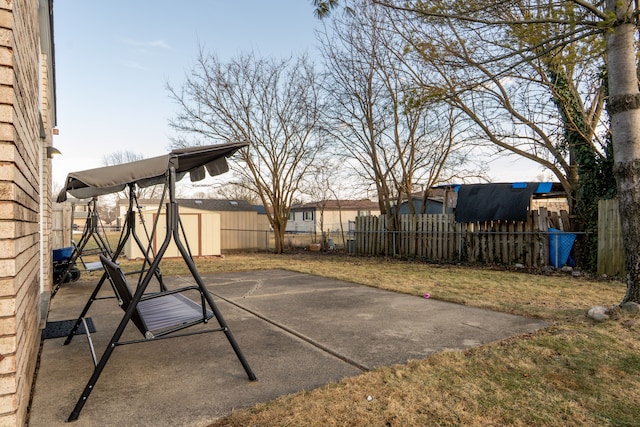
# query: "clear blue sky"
114,59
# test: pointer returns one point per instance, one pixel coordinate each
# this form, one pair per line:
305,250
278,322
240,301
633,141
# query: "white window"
292,216
307,216
364,213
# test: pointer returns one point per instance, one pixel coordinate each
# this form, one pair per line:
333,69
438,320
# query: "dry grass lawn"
575,373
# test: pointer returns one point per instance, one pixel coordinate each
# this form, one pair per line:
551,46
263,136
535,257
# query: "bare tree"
553,26
233,191
536,90
318,186
107,213
273,105
620,18
375,111
120,157
545,106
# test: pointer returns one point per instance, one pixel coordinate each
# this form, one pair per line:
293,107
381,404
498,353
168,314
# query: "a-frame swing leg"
172,215
117,334
105,357
173,219
129,230
90,231
92,298
96,290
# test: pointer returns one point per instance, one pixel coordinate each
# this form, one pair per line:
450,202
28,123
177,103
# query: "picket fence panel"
439,238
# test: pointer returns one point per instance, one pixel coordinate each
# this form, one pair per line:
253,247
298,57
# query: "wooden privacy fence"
440,238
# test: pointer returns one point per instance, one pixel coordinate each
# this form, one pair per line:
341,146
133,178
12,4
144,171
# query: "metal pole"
172,228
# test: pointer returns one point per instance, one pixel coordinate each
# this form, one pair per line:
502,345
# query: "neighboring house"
212,225
27,119
434,206
80,212
328,215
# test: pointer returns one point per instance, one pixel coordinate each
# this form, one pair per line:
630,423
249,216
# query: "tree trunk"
624,109
278,234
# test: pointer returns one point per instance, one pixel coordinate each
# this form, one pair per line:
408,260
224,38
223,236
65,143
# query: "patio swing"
166,313
67,261
128,231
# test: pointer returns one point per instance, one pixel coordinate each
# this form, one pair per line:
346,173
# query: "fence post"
610,248
459,233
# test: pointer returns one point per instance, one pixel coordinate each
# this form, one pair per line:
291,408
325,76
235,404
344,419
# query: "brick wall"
24,201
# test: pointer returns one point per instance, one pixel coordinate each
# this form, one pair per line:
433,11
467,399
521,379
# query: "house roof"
335,205
435,193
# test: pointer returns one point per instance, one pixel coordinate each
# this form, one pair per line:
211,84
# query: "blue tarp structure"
560,245
497,201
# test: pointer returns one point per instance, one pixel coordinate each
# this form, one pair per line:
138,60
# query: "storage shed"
202,231
212,226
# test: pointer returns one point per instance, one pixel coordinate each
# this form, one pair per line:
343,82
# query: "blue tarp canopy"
495,202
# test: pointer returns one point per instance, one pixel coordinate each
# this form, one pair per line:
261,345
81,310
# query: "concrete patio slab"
297,331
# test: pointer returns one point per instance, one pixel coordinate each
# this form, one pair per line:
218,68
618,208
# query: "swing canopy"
144,173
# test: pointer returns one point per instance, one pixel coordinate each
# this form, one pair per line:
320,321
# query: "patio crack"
297,334
253,288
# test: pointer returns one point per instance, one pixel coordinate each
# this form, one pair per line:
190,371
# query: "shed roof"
218,205
338,205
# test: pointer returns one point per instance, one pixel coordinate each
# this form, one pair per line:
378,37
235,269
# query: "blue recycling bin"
560,245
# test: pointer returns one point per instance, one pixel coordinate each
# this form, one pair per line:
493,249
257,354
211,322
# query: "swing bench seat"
159,313
93,266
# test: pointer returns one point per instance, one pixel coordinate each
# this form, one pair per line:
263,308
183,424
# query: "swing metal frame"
167,169
67,270
128,231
